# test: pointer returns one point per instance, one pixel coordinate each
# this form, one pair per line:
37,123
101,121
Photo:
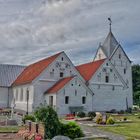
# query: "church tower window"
62,58
83,100
61,74
75,92
119,55
113,87
124,71
67,100
107,79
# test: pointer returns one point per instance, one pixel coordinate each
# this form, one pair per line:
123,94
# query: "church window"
84,100
107,64
110,70
106,78
119,55
75,92
71,84
124,71
21,95
66,99
62,58
51,100
113,87
61,74
16,94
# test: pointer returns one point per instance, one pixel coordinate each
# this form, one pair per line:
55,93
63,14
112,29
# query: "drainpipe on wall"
92,101
27,101
8,99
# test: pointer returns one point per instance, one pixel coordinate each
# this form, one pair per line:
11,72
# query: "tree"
49,117
136,84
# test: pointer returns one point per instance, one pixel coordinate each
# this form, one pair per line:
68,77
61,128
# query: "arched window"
16,95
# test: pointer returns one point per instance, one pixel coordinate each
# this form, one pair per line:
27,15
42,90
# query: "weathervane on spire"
110,23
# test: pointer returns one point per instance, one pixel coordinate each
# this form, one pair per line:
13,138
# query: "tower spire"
110,23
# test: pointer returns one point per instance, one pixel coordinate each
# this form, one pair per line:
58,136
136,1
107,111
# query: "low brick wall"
35,128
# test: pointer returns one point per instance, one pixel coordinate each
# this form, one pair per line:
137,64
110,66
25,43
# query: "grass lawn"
8,129
128,129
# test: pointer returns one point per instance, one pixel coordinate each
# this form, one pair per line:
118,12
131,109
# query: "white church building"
100,85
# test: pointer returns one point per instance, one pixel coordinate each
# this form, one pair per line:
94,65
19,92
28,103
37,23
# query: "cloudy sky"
34,29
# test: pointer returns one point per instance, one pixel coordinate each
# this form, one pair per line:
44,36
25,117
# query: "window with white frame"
51,100
16,95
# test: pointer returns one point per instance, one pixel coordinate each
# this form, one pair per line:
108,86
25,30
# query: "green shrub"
99,120
81,114
121,112
72,130
139,116
28,117
110,120
91,114
49,117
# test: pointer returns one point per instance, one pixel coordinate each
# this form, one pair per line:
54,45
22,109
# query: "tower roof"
109,44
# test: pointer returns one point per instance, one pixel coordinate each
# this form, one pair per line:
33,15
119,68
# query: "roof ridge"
45,59
91,62
87,70
34,70
59,84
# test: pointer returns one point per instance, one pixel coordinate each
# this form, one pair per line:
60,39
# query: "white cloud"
31,30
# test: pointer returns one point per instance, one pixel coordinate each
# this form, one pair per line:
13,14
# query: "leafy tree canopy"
136,83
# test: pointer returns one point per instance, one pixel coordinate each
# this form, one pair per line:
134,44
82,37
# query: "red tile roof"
88,70
34,70
60,84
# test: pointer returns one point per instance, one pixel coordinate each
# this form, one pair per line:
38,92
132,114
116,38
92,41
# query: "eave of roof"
59,85
88,70
34,70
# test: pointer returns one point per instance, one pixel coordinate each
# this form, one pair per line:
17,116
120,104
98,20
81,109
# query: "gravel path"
95,132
